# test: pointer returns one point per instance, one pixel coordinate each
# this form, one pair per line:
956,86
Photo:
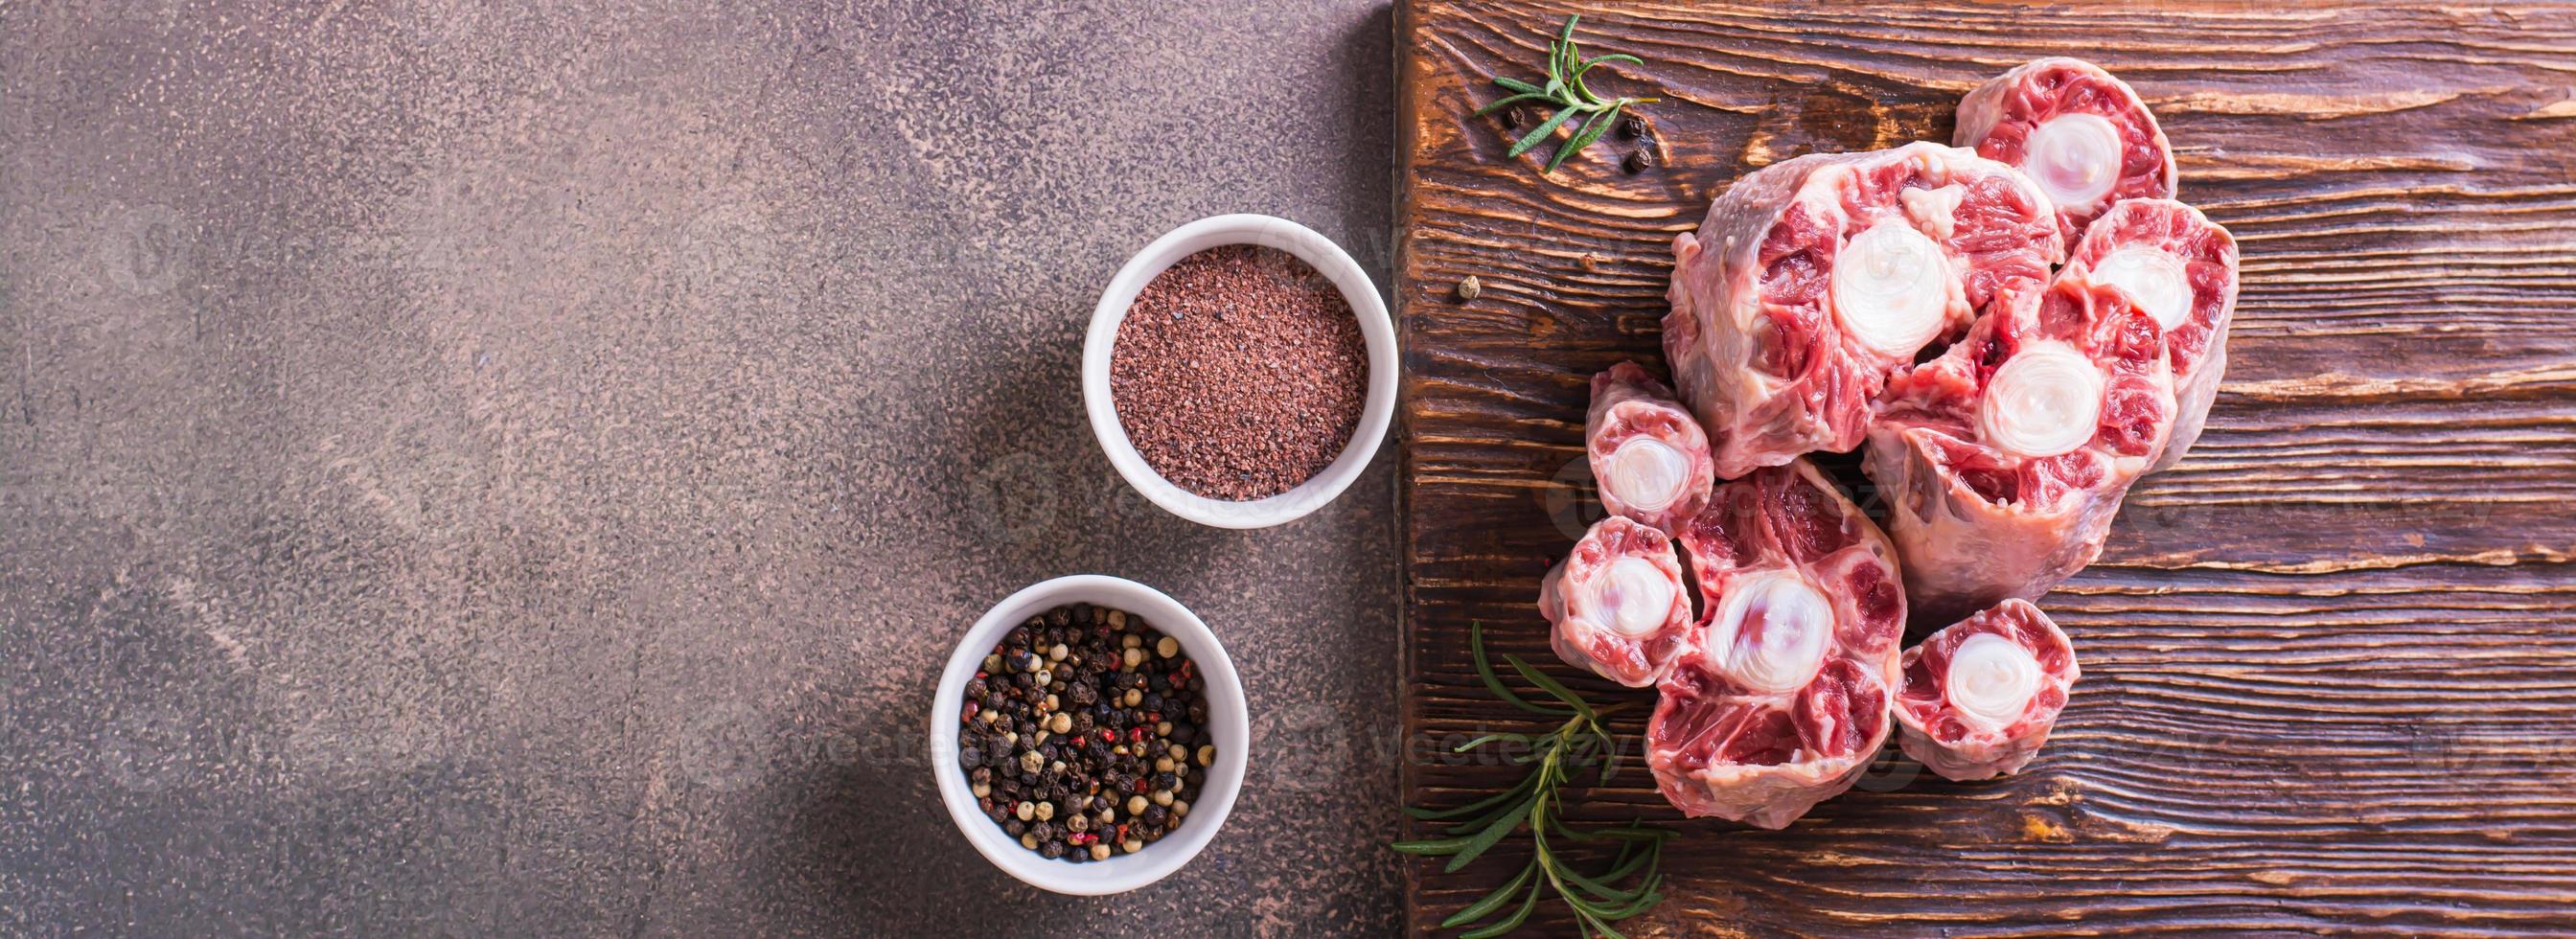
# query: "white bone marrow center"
1634,595
2075,157
1992,680
2153,279
1647,473
2043,402
1890,285
1770,635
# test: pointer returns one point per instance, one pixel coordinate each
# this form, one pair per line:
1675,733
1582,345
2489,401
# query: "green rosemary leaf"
1541,132
1507,102
1508,923
1433,848
1572,142
1493,901
1479,822
1533,804
1642,903
1610,752
1576,80
1492,835
1604,928
1549,685
1485,666
1566,92
1489,738
1592,130
1601,889
1630,861
1471,807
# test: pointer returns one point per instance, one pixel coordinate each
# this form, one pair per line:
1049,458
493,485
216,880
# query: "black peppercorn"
1512,117
1638,161
1087,783
1632,127
1155,815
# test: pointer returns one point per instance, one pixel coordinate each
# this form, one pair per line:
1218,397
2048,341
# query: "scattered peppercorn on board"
2326,658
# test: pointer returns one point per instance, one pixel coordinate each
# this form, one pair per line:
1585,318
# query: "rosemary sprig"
1565,91
1534,804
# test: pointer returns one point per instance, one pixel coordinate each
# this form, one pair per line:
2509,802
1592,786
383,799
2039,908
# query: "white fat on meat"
1891,285
1934,211
1771,632
1635,596
2154,280
1647,473
1992,680
2045,400
2075,158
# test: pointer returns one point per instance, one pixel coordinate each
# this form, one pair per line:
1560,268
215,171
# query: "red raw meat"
1784,698
2082,135
1649,456
1618,603
1980,696
1811,279
2003,460
2181,268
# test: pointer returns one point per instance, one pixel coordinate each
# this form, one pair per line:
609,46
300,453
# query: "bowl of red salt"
1240,371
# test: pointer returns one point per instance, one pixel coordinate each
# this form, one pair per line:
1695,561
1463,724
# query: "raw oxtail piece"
1618,603
1649,455
2079,133
1811,279
2180,267
2003,461
1980,696
1783,701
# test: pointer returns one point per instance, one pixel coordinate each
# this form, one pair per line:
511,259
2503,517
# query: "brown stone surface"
473,468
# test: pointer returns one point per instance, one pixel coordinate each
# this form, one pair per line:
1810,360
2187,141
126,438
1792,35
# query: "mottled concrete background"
517,468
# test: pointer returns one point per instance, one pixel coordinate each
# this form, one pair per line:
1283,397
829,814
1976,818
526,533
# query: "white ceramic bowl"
1227,722
1325,257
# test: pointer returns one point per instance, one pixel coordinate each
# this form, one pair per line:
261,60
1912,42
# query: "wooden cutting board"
2329,661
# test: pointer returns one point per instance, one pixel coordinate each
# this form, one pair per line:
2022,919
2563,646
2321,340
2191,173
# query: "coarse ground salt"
1239,372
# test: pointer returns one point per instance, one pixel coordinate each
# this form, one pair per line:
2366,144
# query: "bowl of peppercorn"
1089,735
1240,371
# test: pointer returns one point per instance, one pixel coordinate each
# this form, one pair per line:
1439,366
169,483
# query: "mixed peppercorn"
1084,734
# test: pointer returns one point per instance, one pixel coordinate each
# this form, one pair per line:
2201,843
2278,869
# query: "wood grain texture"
2329,660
